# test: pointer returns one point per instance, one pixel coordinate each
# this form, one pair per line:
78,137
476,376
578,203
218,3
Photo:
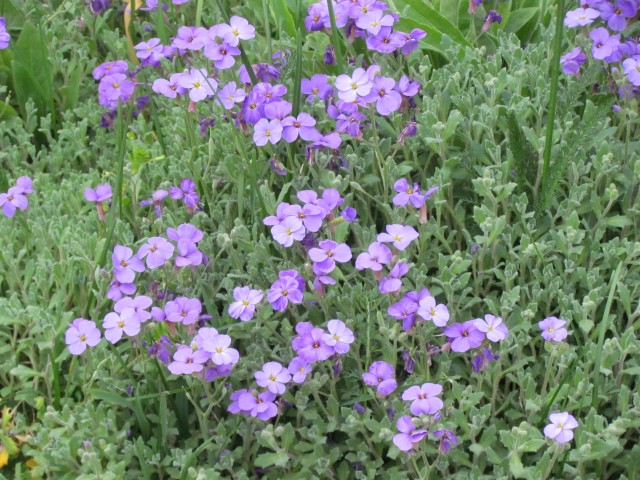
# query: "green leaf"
283,17
6,111
519,18
109,397
279,459
619,221
434,19
24,372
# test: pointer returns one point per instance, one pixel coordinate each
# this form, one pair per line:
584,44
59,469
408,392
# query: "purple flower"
229,95
150,50
138,304
632,70
310,215
183,310
382,93
350,87
603,44
392,283
553,329
382,376
491,17
430,311
377,255
169,88
283,291
198,83
190,38
156,200
464,336
404,310
339,336
234,407
245,305
409,435
81,333
386,41
561,427
482,359
302,125
116,324
117,289
267,131
221,352
156,252
373,21
299,369
314,21
259,405
186,192
114,88
316,87
273,376
186,361
25,184
447,437
299,279
349,214
580,17
109,68
222,55
14,199
278,110
102,193
572,61
125,264
329,253
492,327
238,29
290,230
407,194
5,38
617,14
424,399
312,347
412,40
400,235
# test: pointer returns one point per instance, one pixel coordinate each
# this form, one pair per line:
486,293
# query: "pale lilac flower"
238,29
553,329
138,304
373,21
156,200
169,88
383,94
267,131
115,325
404,310
186,361
125,264
386,41
311,215
149,50
561,427
316,87
400,235
245,305
198,83
117,290
229,95
493,328
407,194
329,253
377,255
302,125
632,70
299,369
220,350
339,336
447,438
283,291
430,311
572,61
350,87
580,17
204,334
114,88
80,334
617,14
190,38
312,347
5,38
183,310
156,252
102,193
382,376
424,399
234,406
603,44
464,336
25,184
409,435
290,230
14,199
187,193
259,405
412,40
273,376
222,55
109,68
392,283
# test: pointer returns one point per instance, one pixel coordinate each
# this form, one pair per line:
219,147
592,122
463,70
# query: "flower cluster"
366,19
606,41
16,197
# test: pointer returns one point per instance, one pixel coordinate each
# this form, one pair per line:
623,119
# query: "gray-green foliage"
139,421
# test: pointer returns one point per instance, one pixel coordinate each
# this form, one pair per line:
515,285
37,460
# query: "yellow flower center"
83,338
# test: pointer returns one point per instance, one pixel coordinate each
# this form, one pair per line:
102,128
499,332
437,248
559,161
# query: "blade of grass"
297,79
553,95
335,38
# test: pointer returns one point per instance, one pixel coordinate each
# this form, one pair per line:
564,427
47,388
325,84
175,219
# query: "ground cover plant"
296,239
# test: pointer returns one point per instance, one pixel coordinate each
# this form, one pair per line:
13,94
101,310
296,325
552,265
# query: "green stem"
335,37
297,79
198,13
553,96
267,26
